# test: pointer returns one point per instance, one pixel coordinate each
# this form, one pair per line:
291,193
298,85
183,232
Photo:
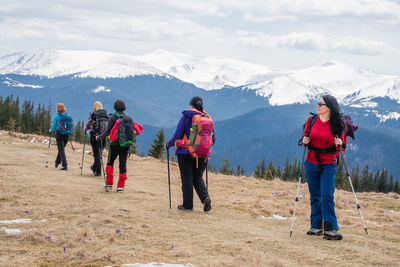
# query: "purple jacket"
183,127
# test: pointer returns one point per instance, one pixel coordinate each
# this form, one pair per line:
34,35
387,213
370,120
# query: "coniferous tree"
78,132
390,184
278,172
356,183
270,172
355,180
261,169
287,170
239,170
381,182
340,176
375,180
226,167
366,183
396,187
157,149
295,171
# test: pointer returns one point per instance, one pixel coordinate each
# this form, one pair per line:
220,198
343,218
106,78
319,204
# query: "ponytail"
197,103
335,122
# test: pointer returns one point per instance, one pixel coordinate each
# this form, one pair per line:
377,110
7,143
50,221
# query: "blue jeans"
321,185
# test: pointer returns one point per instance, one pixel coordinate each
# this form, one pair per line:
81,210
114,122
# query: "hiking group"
324,135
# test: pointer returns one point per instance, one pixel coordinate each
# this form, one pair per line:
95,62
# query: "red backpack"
200,142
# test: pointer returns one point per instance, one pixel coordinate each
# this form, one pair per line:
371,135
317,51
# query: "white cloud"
315,41
267,10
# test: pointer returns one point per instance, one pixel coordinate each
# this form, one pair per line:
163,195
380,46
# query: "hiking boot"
207,204
56,164
181,207
108,187
121,182
97,173
110,175
64,168
314,231
332,235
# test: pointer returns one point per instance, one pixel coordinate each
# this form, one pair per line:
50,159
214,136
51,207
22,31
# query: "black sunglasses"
321,104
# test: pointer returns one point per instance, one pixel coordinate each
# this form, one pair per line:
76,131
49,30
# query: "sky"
283,33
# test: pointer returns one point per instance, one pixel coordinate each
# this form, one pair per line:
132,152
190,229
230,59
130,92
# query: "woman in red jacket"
323,139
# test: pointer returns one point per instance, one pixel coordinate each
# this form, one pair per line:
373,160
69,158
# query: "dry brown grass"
81,217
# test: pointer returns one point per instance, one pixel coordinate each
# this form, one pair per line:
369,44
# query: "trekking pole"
352,189
102,166
169,181
297,193
73,149
207,175
83,151
48,152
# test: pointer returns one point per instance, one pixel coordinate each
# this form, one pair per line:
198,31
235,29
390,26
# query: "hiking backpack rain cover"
100,118
65,127
199,143
122,131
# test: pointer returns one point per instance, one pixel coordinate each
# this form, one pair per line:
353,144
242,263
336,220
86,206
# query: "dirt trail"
73,212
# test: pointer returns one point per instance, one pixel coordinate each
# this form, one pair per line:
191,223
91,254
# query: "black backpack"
126,136
100,121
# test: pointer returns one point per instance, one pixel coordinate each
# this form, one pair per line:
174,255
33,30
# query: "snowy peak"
207,72
54,63
352,86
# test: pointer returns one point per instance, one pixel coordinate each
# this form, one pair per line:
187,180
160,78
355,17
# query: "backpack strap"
308,130
311,123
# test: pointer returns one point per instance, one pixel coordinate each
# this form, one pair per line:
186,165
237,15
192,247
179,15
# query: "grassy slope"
83,218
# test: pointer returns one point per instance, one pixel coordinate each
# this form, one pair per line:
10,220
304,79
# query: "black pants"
192,177
97,147
62,141
122,153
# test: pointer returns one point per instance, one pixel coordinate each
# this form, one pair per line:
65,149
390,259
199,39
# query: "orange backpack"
200,142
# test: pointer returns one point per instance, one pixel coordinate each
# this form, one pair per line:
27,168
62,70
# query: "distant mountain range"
254,106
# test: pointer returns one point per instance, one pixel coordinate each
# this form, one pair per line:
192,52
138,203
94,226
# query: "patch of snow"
17,221
101,88
11,231
13,83
365,104
276,216
387,116
15,143
158,264
33,139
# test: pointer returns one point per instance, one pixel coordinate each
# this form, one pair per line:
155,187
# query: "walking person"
62,125
192,168
122,132
323,135
97,124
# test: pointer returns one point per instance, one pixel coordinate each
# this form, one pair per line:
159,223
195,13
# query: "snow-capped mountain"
209,73
56,63
352,86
